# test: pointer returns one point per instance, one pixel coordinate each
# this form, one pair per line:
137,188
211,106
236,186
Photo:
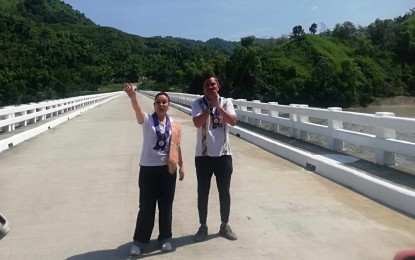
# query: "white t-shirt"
150,156
217,138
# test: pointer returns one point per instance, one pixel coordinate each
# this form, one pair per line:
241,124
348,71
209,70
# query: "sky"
232,20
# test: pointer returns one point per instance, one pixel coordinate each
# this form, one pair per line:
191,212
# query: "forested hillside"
43,57
49,50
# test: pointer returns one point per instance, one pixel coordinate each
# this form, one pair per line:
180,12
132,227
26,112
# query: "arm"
199,114
181,165
227,117
200,119
139,113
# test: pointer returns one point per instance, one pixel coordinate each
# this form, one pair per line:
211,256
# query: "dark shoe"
166,246
226,232
135,250
201,234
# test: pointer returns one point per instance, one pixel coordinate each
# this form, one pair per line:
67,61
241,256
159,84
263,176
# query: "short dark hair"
162,94
208,76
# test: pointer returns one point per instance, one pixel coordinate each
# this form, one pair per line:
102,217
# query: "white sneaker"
135,251
166,247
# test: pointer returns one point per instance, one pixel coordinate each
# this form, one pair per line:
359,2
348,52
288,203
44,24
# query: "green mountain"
45,11
348,66
49,50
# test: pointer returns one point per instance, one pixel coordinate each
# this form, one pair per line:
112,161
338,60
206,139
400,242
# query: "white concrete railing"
327,123
13,117
332,166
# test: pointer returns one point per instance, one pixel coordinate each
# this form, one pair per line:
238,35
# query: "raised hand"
129,89
214,99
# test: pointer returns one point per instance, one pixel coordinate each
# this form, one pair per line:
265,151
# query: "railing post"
333,125
243,119
56,112
10,127
42,109
293,118
303,135
31,111
294,132
48,114
273,113
384,157
59,111
256,111
65,109
23,113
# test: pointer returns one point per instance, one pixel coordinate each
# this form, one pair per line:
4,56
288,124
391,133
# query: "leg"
223,173
165,203
204,173
146,213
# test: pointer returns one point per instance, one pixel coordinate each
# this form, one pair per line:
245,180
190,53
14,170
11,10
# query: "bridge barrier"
329,124
297,118
14,117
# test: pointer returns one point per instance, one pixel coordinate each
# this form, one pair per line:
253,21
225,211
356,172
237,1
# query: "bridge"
71,193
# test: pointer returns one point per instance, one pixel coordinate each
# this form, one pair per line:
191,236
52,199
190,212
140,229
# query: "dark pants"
156,186
222,168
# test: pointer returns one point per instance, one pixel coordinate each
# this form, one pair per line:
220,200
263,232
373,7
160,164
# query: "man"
211,116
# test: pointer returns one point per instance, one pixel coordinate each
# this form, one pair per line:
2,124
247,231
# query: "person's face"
211,87
161,104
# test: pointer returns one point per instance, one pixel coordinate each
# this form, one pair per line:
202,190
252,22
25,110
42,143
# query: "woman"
156,184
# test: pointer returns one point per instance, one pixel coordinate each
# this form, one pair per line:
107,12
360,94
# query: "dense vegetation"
49,50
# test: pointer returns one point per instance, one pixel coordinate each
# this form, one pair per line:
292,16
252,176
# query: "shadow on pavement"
122,251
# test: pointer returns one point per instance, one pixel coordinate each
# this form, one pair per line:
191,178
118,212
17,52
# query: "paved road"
71,193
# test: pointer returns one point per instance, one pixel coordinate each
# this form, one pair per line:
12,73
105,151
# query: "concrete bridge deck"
71,193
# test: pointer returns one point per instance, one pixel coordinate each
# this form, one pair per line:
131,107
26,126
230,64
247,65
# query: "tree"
346,31
406,42
313,28
193,73
322,88
298,31
248,41
352,79
377,31
245,70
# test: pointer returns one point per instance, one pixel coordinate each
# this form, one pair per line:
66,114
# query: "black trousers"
156,185
222,168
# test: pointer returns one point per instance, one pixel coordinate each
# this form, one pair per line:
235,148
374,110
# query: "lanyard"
206,102
161,138
216,121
